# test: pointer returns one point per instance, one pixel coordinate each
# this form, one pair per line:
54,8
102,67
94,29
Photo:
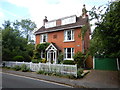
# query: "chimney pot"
45,20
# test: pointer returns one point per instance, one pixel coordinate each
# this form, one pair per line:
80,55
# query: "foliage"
60,58
36,54
79,72
43,60
18,58
69,62
79,59
27,27
16,67
106,39
36,60
40,72
43,46
24,68
14,44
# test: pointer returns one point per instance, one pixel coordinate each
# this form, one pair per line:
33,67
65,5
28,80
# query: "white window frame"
66,53
66,35
42,54
42,36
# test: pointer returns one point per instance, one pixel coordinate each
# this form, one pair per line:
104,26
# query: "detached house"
62,34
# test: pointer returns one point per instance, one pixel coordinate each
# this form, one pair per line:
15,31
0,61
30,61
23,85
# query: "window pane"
68,52
69,35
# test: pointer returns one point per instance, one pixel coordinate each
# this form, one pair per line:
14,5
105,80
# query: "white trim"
69,41
93,62
66,35
118,64
65,51
50,46
42,36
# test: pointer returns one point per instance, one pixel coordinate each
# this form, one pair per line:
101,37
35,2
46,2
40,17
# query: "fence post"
76,69
23,62
39,66
31,65
16,62
61,68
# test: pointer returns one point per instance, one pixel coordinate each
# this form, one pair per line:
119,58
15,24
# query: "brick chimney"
84,12
45,20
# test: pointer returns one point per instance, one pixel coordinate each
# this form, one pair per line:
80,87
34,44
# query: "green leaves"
14,44
106,35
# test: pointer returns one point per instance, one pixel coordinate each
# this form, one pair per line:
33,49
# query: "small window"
54,36
43,54
68,53
69,35
43,38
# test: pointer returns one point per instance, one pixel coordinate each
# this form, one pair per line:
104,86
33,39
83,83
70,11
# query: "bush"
60,58
43,60
40,72
69,62
18,58
24,68
36,60
79,72
16,68
78,59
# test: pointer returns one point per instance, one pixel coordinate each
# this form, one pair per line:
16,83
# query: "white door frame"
54,55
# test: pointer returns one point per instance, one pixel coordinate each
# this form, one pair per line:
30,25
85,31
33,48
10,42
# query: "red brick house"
63,34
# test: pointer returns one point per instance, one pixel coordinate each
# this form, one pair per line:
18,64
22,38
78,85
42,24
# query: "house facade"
64,35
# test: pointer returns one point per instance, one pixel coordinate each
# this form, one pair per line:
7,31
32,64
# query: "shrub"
35,61
18,58
79,72
24,68
60,58
40,72
16,68
78,59
43,60
71,76
69,62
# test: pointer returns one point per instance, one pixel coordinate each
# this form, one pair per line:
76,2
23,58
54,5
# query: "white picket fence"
59,68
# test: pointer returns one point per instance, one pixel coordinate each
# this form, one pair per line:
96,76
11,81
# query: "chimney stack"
45,20
84,12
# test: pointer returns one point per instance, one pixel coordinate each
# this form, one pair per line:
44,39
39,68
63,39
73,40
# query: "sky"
36,10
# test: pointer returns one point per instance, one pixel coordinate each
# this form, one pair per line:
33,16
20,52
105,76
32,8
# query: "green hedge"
18,58
69,62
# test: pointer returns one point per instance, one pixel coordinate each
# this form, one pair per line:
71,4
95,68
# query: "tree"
14,44
106,36
27,26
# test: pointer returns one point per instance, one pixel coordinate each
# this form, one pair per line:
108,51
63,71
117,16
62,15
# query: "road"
15,81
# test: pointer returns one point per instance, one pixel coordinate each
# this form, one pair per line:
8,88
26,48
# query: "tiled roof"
79,23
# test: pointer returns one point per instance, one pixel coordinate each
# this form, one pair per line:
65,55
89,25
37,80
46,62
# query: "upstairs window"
43,38
69,35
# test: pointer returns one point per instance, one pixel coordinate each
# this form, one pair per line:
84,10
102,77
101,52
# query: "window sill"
68,59
43,42
70,41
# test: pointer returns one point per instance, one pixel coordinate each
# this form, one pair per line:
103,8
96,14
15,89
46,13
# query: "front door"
51,56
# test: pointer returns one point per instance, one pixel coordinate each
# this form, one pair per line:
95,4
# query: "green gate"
105,64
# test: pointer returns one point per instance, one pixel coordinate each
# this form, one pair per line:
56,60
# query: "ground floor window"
43,54
68,53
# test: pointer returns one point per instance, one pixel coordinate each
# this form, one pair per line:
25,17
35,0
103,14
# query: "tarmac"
94,79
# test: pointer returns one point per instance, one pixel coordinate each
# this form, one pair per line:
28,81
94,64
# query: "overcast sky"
36,9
